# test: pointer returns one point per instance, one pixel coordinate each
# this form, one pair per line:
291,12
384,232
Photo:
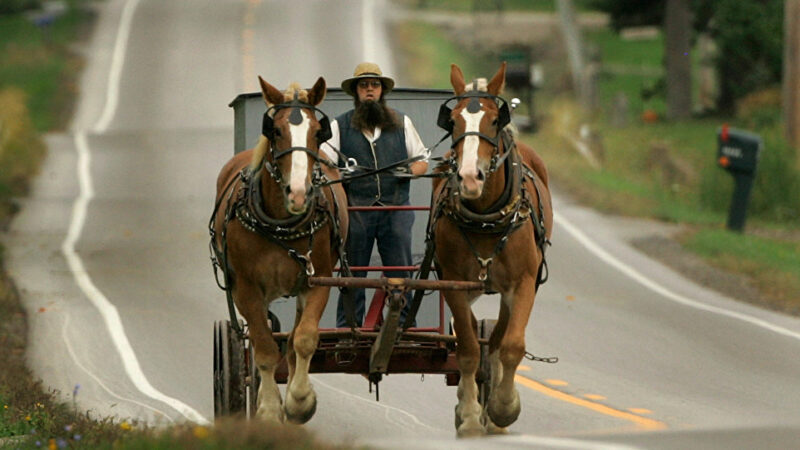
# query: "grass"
663,170
38,62
774,264
430,52
489,5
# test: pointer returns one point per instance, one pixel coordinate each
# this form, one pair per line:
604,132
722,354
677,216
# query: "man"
376,136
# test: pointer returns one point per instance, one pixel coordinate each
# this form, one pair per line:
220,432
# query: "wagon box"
422,105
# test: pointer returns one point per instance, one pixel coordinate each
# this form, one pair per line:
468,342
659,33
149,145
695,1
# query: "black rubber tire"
229,371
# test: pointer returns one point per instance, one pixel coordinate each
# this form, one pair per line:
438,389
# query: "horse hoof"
471,429
300,412
504,414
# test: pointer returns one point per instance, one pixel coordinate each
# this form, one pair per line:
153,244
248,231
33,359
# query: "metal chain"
548,359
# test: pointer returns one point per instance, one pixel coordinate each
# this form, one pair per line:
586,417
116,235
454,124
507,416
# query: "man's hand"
402,172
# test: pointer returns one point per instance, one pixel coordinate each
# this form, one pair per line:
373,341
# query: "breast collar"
251,215
512,208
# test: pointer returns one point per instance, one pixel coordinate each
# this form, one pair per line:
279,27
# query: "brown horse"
491,221
276,223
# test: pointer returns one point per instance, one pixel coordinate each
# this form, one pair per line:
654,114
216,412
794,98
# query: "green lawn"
664,170
489,5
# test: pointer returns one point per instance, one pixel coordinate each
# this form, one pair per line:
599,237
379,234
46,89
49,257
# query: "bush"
21,150
15,6
749,37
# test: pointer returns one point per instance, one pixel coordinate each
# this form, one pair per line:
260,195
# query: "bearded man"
376,136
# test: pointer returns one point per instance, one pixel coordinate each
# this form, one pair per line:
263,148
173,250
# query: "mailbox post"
738,153
520,76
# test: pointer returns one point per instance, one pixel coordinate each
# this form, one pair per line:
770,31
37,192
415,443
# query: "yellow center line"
643,422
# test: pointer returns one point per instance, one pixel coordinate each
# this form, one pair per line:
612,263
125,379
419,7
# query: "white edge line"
83,280
557,442
117,62
97,379
661,290
379,405
107,310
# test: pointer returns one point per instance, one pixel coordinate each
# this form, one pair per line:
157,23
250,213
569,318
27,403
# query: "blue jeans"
392,231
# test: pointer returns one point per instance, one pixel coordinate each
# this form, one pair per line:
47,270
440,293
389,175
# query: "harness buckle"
309,265
350,165
484,262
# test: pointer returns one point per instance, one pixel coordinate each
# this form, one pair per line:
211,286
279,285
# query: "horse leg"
301,401
267,353
468,410
504,404
291,356
496,368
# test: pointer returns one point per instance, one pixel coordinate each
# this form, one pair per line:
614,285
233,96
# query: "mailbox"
738,150
518,70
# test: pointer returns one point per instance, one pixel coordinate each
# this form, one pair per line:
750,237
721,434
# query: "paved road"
110,256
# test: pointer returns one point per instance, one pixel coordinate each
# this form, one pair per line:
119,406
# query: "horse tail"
259,152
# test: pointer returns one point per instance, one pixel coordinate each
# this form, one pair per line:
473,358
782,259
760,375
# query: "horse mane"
480,82
260,150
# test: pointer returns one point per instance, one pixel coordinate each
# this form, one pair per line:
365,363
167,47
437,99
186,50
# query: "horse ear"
457,79
495,87
317,93
271,94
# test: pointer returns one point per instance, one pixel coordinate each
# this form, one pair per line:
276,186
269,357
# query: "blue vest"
390,148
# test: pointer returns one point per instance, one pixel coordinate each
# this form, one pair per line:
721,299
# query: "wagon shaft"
389,283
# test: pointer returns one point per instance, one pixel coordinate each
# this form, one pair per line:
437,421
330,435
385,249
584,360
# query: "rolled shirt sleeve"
328,146
414,143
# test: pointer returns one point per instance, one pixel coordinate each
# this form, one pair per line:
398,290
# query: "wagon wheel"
229,371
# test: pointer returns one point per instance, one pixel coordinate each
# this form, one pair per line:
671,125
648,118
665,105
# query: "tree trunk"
575,51
791,74
677,29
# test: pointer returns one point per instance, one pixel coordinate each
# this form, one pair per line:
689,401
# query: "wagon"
379,347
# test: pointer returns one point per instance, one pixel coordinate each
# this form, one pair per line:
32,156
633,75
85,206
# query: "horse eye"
277,132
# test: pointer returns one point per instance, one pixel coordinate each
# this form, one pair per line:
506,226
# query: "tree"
791,74
748,35
677,33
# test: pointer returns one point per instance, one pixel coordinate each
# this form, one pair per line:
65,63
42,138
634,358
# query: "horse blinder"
268,124
445,120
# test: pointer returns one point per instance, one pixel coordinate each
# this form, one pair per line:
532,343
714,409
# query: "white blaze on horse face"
468,169
299,171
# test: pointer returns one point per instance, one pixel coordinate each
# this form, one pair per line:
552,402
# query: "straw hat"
366,70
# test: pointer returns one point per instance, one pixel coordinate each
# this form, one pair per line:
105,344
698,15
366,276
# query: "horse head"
292,135
475,122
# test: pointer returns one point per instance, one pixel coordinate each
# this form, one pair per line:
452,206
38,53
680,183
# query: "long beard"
371,114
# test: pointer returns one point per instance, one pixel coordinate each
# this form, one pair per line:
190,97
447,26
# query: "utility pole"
791,74
575,52
677,29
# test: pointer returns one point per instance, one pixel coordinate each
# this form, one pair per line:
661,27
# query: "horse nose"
471,183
